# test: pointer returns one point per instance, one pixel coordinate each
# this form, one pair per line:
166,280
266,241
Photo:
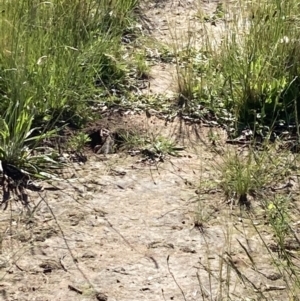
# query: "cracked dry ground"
128,230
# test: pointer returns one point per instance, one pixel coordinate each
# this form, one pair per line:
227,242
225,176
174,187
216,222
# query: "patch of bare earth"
132,231
175,24
116,228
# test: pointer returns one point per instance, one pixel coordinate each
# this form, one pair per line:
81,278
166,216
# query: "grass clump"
60,53
250,69
260,69
56,57
150,146
21,157
265,181
253,173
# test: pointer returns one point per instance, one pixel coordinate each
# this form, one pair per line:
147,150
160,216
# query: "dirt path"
175,24
121,220
132,231
129,231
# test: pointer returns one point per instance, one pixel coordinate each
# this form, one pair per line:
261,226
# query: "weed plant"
58,52
260,70
55,56
265,181
250,67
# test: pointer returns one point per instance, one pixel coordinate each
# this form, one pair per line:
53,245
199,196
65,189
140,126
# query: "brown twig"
175,279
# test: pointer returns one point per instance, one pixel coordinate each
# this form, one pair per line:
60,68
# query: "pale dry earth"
135,231
115,223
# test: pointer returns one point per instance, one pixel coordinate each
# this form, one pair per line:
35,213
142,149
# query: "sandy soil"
116,228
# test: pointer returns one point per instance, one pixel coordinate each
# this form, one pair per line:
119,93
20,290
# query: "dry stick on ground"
203,294
229,261
210,274
174,278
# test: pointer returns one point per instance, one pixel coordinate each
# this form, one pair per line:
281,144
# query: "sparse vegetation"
142,68
78,142
63,63
250,80
151,146
253,173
